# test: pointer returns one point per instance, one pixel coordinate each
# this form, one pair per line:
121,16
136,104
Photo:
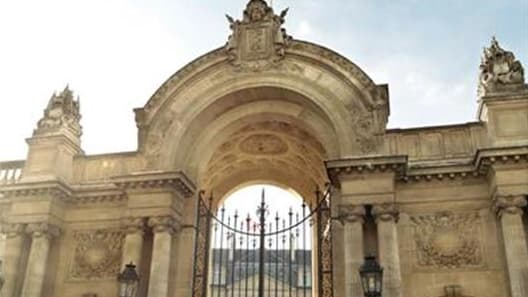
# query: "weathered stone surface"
442,207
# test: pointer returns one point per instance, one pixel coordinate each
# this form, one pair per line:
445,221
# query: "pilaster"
386,218
509,211
14,246
163,228
41,236
134,229
352,217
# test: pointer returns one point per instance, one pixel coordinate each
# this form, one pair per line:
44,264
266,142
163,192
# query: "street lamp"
371,274
128,281
1,277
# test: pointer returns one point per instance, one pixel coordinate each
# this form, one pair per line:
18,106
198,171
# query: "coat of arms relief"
258,41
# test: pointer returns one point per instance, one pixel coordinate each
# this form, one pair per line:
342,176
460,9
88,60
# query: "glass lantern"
371,274
128,281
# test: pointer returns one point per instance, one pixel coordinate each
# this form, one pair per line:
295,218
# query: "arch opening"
246,257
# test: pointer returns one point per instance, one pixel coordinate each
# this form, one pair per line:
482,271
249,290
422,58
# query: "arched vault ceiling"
266,150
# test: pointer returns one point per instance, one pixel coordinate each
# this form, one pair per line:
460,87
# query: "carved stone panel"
447,240
97,254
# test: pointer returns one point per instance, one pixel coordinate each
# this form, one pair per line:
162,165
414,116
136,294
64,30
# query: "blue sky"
116,53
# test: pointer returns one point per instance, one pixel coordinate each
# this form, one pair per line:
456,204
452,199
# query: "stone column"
352,217
509,211
386,217
133,246
163,229
41,235
14,245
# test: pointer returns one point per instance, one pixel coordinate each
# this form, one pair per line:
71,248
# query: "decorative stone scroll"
386,212
500,71
97,255
13,230
509,205
162,224
42,229
62,112
447,240
351,213
258,42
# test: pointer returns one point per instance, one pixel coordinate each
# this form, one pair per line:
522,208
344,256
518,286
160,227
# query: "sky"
114,54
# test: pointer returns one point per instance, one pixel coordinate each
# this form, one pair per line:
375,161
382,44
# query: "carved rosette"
163,224
500,71
43,229
97,255
447,240
258,41
509,205
386,212
352,213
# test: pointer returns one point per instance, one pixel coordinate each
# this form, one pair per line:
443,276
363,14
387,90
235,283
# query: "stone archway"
294,85
264,107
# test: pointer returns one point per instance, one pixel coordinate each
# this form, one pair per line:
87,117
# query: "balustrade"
10,172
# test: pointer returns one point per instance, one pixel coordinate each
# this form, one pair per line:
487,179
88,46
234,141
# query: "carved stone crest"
447,240
258,41
500,71
62,112
97,254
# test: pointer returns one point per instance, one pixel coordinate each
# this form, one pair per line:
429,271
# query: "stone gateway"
443,208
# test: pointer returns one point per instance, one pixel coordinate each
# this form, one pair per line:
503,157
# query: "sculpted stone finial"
258,41
62,112
499,71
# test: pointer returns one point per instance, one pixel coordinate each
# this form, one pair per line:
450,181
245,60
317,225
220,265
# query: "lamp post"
128,281
371,274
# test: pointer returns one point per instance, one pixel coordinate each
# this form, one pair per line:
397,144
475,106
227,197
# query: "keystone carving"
499,70
97,254
447,240
258,41
62,112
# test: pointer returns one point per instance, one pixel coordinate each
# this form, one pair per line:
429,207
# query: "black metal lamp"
128,281
1,277
371,274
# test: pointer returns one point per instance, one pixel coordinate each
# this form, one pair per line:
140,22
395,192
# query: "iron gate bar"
237,272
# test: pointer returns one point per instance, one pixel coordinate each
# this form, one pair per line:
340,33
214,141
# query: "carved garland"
447,240
97,254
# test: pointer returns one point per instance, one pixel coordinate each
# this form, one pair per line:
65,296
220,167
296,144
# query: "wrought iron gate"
264,255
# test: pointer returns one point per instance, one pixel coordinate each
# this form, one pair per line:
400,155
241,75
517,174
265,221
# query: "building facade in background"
440,206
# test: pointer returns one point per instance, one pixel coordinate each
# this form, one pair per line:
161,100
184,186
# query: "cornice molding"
478,167
177,181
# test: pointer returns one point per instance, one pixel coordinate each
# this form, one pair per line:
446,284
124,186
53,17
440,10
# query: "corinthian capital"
43,229
386,212
133,225
351,213
509,205
162,224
